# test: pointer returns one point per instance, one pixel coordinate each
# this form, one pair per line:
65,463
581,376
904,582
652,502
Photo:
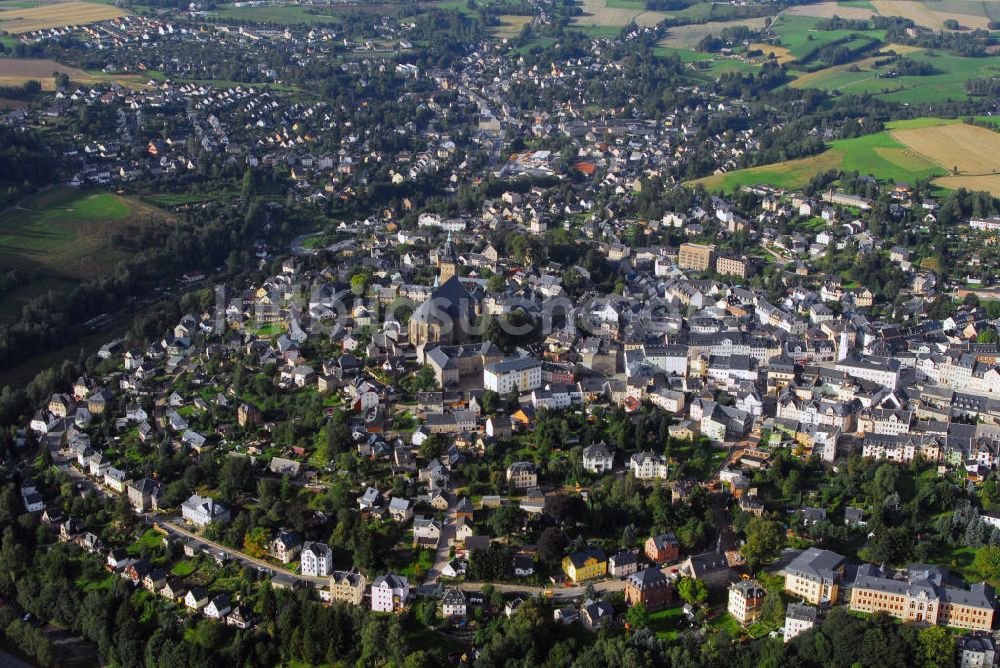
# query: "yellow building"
815,576
585,565
695,256
924,596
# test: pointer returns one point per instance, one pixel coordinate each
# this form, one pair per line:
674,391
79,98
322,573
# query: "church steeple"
447,261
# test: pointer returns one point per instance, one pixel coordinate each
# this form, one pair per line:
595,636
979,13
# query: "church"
446,315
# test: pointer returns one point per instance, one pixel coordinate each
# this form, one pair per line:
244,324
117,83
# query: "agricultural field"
880,154
970,153
799,35
827,10
933,14
510,25
17,20
687,37
779,53
616,14
948,81
18,71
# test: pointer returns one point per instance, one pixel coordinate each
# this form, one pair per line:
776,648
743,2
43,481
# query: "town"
422,346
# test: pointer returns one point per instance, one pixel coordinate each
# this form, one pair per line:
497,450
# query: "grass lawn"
151,540
183,568
666,623
726,622
420,563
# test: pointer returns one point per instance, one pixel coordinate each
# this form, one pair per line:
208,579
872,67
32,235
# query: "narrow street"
173,529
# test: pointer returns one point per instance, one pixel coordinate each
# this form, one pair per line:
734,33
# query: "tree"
988,335
565,509
692,591
496,283
491,401
255,541
359,282
772,610
638,616
764,540
937,647
506,520
552,545
987,562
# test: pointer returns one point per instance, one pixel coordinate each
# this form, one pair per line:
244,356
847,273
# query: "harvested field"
687,37
922,14
18,20
827,10
974,151
510,25
598,13
989,183
17,71
780,53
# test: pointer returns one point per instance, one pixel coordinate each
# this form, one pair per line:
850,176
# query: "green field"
878,154
61,236
284,15
799,35
64,230
947,83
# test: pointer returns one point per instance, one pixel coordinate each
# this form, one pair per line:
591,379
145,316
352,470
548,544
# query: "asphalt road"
176,530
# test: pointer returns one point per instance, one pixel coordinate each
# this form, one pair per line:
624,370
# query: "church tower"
447,262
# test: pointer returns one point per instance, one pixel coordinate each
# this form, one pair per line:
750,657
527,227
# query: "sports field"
17,20
881,155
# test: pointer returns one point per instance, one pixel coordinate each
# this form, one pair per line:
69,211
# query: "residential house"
663,548
746,598
585,565
651,588
453,603
316,559
347,587
390,593
202,511
798,618
815,576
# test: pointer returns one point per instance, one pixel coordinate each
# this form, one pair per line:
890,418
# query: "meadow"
880,155
66,232
17,20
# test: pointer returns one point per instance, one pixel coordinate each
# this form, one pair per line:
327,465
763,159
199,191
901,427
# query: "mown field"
65,233
616,14
880,155
969,153
18,71
18,20
934,14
